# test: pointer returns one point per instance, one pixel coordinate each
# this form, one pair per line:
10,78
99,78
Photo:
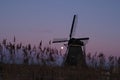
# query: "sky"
34,20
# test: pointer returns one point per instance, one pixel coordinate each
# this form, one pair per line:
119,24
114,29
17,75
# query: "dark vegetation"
98,67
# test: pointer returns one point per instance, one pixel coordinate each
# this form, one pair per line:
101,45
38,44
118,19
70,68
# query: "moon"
62,47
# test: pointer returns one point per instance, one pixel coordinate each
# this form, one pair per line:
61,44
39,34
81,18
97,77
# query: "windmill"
76,47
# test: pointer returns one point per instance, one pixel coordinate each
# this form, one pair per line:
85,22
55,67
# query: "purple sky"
35,20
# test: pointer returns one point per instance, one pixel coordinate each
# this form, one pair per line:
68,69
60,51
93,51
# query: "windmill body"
75,54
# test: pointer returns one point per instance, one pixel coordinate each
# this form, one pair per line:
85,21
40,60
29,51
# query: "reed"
39,63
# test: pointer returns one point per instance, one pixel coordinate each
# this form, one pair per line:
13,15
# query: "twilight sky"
34,20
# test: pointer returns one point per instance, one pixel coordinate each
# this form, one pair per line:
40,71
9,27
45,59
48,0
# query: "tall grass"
39,63
28,54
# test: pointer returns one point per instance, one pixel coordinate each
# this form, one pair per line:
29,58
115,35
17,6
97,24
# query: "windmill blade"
74,22
87,38
84,40
59,40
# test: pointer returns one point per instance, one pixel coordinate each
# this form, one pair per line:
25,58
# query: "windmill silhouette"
76,47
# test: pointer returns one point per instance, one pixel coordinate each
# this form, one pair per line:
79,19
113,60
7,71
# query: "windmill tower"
75,49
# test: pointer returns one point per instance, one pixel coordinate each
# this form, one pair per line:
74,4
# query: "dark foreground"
36,72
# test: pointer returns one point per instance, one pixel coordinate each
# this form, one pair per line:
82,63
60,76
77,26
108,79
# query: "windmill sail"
72,31
60,40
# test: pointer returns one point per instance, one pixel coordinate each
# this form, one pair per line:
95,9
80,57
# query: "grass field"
36,72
